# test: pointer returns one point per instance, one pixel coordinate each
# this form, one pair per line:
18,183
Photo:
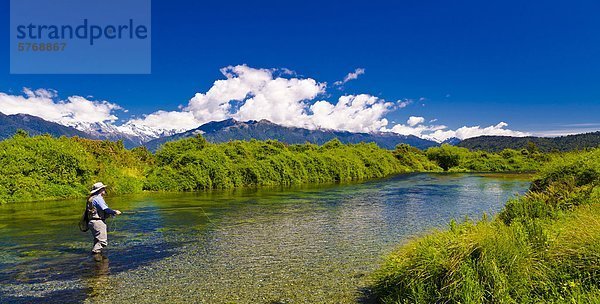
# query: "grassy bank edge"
543,247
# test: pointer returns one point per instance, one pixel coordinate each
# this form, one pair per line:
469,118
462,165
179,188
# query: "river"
310,244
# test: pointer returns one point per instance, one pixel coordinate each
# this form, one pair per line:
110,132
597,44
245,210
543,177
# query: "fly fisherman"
96,212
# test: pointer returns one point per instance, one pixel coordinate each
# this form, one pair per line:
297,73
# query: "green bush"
44,168
446,156
192,164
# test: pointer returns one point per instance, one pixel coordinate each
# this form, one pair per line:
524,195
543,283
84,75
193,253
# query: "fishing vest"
92,211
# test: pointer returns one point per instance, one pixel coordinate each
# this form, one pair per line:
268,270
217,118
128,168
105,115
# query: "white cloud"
468,132
259,94
415,120
417,130
404,103
355,113
254,94
281,100
350,76
440,133
286,71
72,111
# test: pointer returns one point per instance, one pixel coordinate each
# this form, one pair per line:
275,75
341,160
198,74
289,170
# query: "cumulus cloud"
249,93
415,120
256,94
350,76
356,113
71,111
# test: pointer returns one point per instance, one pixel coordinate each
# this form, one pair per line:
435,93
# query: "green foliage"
457,159
415,159
33,167
192,164
565,183
43,167
446,156
533,144
543,247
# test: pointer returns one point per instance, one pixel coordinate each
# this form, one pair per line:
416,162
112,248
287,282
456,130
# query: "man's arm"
102,204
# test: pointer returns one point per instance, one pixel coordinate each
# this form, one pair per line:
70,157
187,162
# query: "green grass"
543,247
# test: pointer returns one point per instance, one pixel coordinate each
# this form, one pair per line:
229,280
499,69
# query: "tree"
21,133
446,156
532,147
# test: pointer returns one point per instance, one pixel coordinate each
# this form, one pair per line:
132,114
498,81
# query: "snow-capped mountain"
146,133
131,134
231,129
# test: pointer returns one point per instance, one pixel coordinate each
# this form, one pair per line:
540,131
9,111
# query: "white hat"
97,187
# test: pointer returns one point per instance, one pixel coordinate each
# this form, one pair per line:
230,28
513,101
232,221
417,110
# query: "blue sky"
532,64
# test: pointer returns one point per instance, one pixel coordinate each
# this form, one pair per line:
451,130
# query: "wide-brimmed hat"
97,187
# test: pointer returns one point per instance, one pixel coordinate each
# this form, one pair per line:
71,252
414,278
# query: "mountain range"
216,131
9,124
230,129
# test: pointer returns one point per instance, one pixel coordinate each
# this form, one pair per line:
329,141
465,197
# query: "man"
97,212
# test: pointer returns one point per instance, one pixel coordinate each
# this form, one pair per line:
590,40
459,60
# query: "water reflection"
99,281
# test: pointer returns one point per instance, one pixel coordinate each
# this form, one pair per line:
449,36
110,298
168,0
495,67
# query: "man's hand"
117,212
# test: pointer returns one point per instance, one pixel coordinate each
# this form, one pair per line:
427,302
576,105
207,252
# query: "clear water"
315,244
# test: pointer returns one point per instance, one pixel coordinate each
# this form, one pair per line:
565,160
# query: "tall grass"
542,248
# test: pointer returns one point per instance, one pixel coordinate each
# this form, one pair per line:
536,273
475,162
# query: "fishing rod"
112,225
133,212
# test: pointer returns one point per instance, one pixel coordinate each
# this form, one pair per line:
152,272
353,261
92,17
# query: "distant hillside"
544,144
9,124
223,131
452,141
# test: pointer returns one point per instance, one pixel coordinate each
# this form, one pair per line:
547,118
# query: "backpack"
87,214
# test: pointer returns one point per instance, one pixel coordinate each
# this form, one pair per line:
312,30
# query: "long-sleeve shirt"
101,208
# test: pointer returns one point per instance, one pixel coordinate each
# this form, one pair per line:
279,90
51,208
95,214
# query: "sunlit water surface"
315,244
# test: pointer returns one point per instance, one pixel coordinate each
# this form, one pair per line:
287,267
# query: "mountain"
230,129
544,144
132,135
9,124
452,141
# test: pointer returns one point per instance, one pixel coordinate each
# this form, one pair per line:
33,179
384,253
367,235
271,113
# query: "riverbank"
46,168
543,247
